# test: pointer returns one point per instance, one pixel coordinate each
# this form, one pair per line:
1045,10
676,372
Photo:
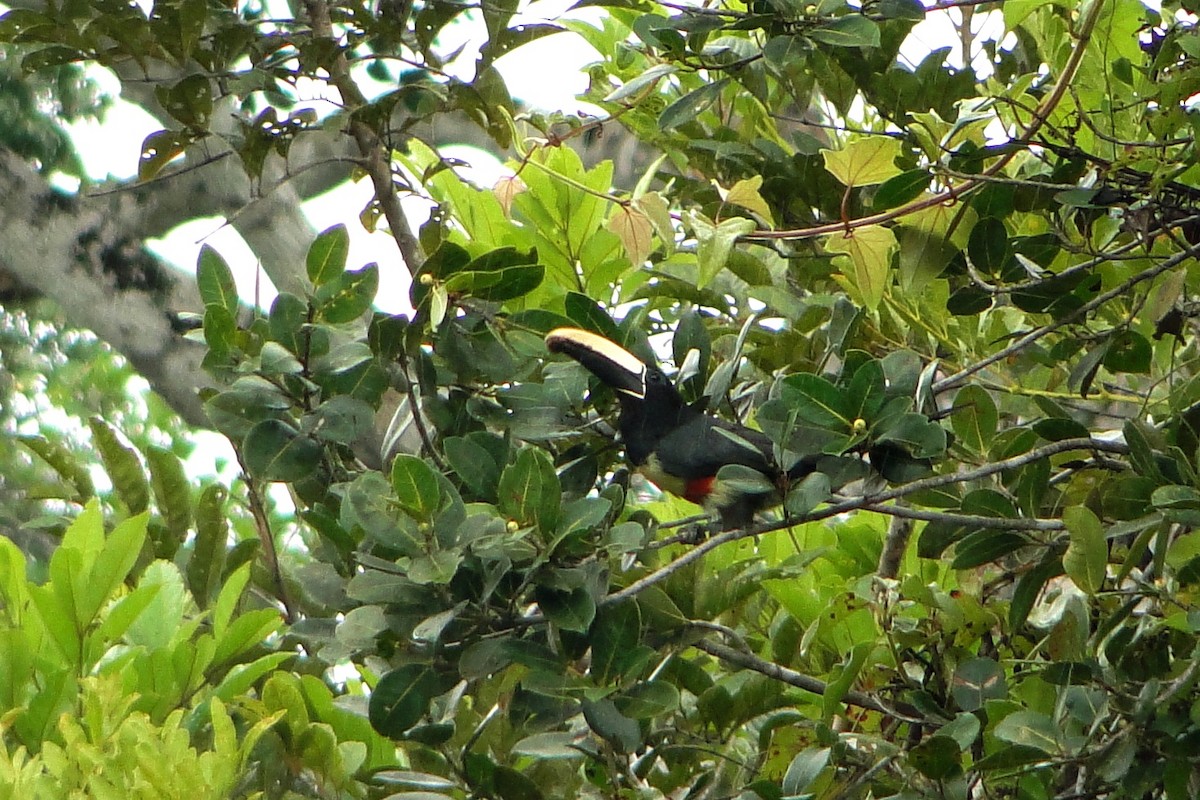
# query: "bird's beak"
608,361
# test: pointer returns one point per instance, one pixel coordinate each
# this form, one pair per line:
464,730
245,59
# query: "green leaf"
214,279
241,677
842,678
572,610
688,107
867,390
976,681
1128,351
122,465
416,487
230,594
1029,588
989,246
208,551
743,479
714,242
809,493
937,757
474,463
869,250
159,626
1086,558
975,418
158,149
402,697
586,313
513,785
817,401
341,419
499,285
220,331
964,729
275,451
648,699
910,10
610,724
172,496
347,297
804,769
125,612
63,461
864,162
189,101
985,546
615,635
1029,729
635,85
852,30
1056,429
112,566
529,490
245,633
327,255
286,321
921,437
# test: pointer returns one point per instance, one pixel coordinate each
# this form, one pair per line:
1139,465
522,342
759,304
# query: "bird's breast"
653,471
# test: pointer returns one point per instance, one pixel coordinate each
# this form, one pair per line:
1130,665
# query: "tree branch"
859,503
957,378
374,150
902,711
80,254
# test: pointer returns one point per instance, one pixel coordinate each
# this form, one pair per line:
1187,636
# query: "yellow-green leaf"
864,162
714,242
635,231
870,253
745,193
655,208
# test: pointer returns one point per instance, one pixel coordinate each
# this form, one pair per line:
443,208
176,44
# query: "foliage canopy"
967,286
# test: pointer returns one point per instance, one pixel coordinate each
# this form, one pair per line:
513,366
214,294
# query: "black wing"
701,447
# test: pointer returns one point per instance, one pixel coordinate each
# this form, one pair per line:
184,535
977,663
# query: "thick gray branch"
81,255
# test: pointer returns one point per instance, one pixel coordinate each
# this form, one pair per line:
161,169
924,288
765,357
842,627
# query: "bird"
678,446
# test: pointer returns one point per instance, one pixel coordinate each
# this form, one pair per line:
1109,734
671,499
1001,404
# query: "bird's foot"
698,533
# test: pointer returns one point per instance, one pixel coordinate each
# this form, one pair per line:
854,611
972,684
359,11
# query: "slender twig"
418,413
902,711
973,520
895,544
262,525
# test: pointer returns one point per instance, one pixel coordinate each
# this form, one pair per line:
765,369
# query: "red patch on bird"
699,488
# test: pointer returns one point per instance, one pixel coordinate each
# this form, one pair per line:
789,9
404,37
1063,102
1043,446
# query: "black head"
651,406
